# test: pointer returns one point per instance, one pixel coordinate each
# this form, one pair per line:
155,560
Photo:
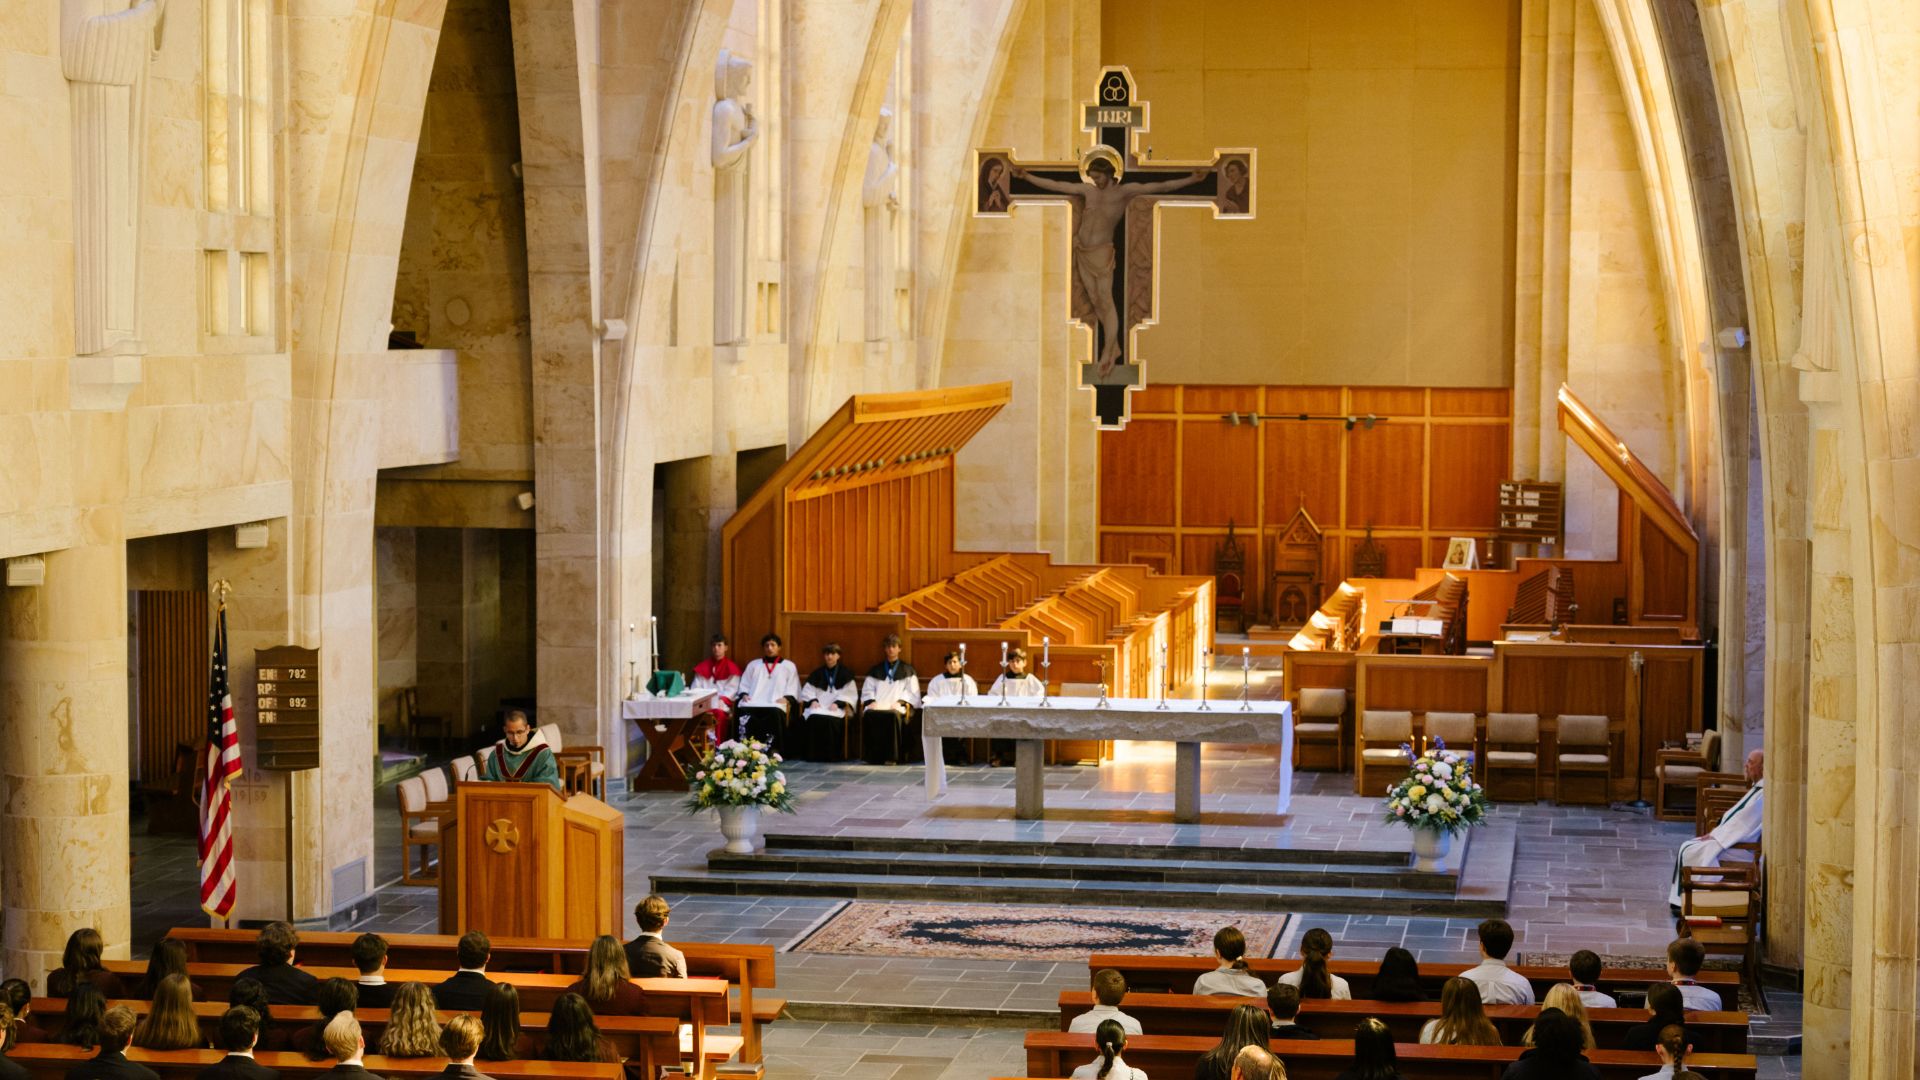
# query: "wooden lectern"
519,860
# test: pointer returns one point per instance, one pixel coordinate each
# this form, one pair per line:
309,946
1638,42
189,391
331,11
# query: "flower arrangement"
739,774
1439,793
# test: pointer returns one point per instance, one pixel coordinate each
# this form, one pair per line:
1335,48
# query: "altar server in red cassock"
721,675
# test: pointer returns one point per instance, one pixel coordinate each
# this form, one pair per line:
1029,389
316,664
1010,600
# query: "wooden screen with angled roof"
863,512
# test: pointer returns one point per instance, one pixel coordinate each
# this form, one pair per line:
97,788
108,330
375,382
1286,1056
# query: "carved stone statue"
877,195
734,130
104,49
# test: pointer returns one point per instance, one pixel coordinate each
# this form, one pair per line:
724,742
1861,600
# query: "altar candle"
1046,650
1246,657
1003,654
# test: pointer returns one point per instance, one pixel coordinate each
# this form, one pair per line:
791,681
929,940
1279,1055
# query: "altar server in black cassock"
827,701
1017,684
890,710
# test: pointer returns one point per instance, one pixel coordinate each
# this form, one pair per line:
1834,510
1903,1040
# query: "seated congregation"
625,1007
1394,1020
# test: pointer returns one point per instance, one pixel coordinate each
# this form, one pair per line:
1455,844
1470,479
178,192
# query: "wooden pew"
1054,1053
748,967
1175,975
50,1061
702,1002
647,1041
1198,1014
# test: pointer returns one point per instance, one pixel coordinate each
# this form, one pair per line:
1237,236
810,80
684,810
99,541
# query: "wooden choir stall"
853,539
521,860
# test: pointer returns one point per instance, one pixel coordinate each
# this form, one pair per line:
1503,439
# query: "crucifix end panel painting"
1115,196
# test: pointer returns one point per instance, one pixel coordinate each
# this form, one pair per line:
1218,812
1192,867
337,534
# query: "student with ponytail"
1673,1050
1234,976
1312,976
1110,1038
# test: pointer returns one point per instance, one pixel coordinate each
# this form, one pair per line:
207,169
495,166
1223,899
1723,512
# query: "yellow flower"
777,787
1417,791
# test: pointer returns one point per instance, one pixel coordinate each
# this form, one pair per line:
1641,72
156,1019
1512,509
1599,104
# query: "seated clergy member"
239,1033
721,675
522,756
889,698
1109,990
467,988
1739,825
116,1030
284,983
768,689
828,698
1498,983
648,954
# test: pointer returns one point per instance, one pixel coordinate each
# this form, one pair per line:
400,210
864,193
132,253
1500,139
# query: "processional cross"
1116,197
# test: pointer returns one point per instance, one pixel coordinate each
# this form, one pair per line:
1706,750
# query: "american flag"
216,801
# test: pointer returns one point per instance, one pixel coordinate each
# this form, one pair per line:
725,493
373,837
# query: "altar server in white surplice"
721,675
1017,684
769,688
828,699
1739,825
890,709
952,684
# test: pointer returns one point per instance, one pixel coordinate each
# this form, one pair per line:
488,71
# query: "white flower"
1434,803
1443,770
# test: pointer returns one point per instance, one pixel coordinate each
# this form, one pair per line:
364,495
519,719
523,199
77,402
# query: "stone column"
63,691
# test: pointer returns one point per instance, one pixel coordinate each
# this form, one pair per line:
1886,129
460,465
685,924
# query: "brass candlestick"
1102,665
1206,666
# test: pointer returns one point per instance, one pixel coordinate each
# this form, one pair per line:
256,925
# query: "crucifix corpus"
1116,197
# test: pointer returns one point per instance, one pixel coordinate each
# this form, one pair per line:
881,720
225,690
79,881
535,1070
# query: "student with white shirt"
1234,976
769,690
1498,983
1684,958
1110,1038
889,709
1673,1051
370,957
1312,977
1584,966
1109,990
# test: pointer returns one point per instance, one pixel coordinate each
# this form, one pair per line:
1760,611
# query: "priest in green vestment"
523,757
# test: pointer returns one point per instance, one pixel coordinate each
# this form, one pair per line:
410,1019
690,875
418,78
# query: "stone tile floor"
1582,877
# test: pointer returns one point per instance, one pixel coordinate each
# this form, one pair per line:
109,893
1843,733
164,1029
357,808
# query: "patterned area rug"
1011,932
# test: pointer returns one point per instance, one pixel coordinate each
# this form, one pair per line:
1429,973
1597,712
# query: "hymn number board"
287,695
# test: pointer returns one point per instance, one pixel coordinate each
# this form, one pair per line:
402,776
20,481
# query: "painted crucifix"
1115,198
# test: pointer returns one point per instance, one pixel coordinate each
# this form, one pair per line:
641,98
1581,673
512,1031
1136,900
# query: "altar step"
1083,874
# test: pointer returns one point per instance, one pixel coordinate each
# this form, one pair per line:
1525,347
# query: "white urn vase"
741,826
1430,846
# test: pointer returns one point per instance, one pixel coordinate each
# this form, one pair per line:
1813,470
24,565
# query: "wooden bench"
1175,975
1054,1053
647,1041
701,1002
747,967
50,1061
1201,1014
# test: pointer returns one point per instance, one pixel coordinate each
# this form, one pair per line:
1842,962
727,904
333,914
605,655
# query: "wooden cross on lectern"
1115,198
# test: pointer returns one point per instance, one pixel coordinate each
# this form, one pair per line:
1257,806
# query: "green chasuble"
531,764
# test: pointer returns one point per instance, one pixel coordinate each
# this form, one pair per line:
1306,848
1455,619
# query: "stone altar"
1182,722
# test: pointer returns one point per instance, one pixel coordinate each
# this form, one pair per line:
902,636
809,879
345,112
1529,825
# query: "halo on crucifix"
1115,197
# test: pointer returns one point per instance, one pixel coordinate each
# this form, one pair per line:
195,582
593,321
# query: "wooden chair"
436,781
1679,770
1229,592
582,768
1382,734
1716,794
171,810
415,723
1584,747
419,828
1458,731
1319,721
1735,894
1513,747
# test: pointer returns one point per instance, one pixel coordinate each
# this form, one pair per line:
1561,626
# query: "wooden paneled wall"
1179,472
176,654
857,546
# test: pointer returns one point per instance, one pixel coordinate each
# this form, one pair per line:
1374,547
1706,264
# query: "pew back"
49,1061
